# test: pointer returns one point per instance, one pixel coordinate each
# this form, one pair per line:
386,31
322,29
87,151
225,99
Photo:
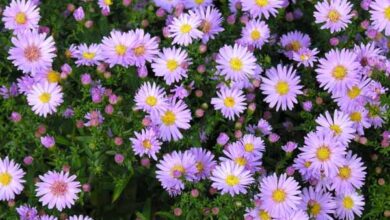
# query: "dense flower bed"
194,109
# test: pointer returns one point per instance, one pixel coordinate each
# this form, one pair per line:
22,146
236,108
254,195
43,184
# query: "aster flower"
296,215
143,47
340,126
294,41
338,71
259,8
11,179
350,175
231,178
323,153
21,15
94,118
319,205
197,3
26,212
146,143
211,21
366,53
252,145
32,52
281,87
80,217
305,57
172,64
151,97
355,96
236,152
255,33
25,84
359,118
175,167
375,114
57,190
303,165
348,205
279,195
88,55
184,29
49,75
257,214
289,146
44,98
335,14
105,5
205,162
47,217
114,49
264,127
380,15
167,5
236,63
231,102
176,116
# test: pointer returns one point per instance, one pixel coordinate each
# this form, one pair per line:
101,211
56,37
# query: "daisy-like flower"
235,152
231,178
366,52
176,116
44,98
231,102
303,164
26,212
105,5
184,29
21,15
264,126
88,55
11,179
257,214
359,118
236,63
380,15
167,5
197,3
319,205
296,215
211,21
146,143
50,76
335,14
151,97
80,217
375,114
94,117
255,33
348,205
47,217
205,162
280,195
57,190
173,168
143,47
114,49
323,153
355,96
340,126
305,57
281,87
259,8
252,145
350,175
294,41
172,64
338,71
32,52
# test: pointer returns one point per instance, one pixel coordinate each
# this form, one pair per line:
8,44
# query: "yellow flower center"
263,215
199,166
108,2
139,51
249,147
45,97
120,49
32,53
294,45
236,64
315,209
232,180
240,161
282,87
151,100
261,3
348,202
185,28
387,13
177,168
199,1
334,16
304,57
168,118
356,116
344,172
255,35
323,153
279,195
88,55
307,164
336,129
354,92
147,144
53,76
172,65
5,179
339,72
20,18
229,102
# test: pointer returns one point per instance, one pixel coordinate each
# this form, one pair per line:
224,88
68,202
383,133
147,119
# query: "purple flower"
86,79
15,117
222,139
78,14
307,106
68,113
289,147
48,141
94,118
26,212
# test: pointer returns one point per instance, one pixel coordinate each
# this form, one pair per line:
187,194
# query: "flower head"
259,8
21,15
184,29
146,143
11,179
335,14
44,98
231,102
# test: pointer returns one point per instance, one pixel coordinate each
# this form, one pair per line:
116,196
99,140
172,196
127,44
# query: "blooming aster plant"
194,109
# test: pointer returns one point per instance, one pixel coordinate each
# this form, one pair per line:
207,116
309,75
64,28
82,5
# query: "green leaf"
120,185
